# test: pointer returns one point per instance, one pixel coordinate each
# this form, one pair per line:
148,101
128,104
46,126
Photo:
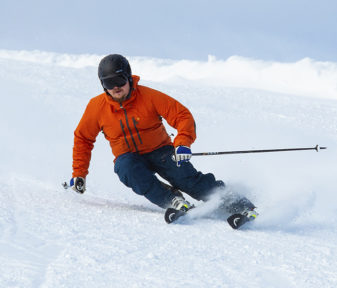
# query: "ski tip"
237,220
172,215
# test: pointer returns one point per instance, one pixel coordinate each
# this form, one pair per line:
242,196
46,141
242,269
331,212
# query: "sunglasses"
112,82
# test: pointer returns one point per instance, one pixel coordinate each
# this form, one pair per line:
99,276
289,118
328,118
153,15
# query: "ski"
235,220
238,219
172,215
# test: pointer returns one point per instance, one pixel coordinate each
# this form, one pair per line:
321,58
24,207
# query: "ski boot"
179,203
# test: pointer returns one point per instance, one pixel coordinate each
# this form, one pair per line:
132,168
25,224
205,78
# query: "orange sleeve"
84,139
177,116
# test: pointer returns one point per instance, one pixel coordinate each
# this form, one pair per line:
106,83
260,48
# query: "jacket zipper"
127,124
126,140
135,124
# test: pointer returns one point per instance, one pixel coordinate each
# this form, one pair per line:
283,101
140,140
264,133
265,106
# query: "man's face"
120,93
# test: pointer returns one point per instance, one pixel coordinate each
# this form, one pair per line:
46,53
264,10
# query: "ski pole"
317,148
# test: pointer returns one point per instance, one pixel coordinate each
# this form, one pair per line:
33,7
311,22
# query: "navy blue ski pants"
137,171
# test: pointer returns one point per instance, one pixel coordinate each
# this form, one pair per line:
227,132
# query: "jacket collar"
133,95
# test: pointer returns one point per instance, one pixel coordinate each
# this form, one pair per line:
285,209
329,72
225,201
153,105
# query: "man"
130,117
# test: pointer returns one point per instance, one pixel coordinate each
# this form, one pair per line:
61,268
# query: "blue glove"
78,184
182,154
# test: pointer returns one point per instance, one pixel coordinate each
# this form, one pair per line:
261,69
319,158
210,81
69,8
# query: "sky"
284,31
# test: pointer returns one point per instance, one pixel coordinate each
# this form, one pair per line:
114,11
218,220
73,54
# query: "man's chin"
119,98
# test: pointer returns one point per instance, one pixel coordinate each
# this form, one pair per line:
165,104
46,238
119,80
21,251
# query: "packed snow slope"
111,237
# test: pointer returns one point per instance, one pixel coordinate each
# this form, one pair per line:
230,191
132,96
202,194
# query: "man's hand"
182,154
78,184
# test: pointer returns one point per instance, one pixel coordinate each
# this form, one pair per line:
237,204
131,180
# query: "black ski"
235,220
172,215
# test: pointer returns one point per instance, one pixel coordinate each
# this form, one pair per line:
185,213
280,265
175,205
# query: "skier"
130,117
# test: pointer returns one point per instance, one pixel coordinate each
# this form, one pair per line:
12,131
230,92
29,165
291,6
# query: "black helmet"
114,70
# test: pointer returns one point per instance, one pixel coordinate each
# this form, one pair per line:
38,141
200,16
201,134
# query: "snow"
111,237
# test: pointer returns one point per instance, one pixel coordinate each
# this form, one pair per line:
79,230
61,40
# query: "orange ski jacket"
133,126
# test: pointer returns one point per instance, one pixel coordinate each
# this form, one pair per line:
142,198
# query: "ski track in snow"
110,237
65,240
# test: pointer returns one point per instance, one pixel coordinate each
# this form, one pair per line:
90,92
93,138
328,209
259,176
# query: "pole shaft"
317,148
